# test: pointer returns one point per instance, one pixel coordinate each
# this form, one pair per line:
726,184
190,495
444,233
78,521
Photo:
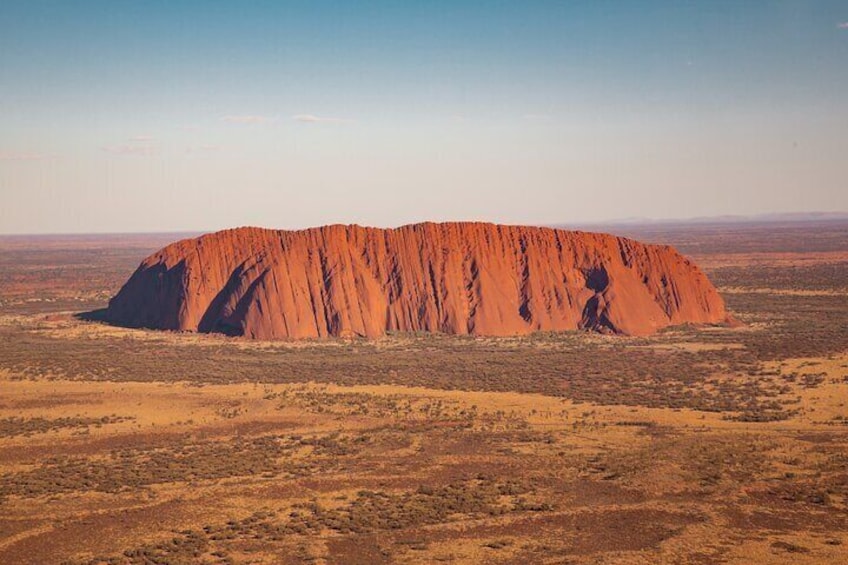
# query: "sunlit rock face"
454,278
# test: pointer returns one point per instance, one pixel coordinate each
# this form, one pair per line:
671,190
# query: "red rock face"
455,278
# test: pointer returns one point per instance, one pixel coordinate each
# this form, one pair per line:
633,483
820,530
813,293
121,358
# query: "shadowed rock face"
456,278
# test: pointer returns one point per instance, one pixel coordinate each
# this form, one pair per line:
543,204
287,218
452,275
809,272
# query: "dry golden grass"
358,474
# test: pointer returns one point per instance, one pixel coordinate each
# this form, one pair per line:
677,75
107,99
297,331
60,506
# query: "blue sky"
152,116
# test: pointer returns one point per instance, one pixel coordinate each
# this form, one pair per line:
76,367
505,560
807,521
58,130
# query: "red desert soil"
455,278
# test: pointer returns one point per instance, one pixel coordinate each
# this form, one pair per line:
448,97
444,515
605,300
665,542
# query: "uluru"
453,278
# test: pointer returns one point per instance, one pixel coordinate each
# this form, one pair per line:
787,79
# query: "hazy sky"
197,115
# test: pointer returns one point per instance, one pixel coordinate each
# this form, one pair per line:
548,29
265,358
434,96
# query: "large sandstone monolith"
455,278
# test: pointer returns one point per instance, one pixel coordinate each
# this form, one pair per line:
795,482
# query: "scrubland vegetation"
697,445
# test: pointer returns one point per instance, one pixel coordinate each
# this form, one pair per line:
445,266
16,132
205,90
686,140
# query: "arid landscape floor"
697,445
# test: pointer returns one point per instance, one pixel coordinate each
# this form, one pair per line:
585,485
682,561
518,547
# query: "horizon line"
767,217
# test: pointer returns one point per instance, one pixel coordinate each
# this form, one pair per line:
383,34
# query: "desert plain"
704,445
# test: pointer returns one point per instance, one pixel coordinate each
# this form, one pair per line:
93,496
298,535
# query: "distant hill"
777,218
768,233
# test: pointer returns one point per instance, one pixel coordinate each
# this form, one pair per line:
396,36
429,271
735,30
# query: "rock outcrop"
455,278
